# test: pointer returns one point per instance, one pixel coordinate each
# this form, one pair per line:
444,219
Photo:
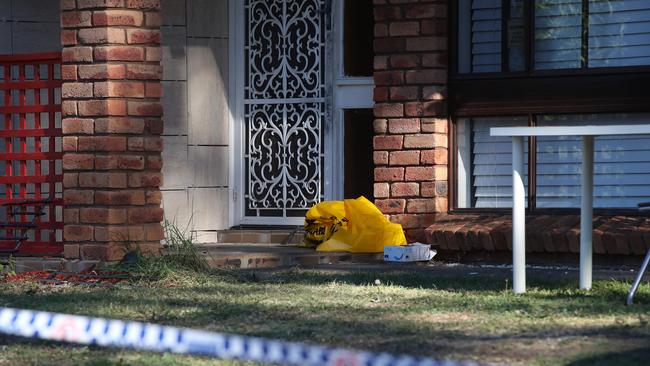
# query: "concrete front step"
271,236
255,255
30,264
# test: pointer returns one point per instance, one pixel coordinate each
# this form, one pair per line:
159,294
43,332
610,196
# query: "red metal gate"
31,179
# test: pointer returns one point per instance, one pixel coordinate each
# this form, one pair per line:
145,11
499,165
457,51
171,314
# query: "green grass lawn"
473,317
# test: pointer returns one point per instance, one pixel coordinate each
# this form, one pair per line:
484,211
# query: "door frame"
349,92
342,93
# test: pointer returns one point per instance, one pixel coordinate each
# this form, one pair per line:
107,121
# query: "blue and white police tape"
154,337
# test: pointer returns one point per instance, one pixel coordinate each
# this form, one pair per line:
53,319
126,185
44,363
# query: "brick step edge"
260,237
621,235
264,260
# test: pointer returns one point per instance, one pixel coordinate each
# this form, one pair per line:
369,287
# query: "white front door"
289,96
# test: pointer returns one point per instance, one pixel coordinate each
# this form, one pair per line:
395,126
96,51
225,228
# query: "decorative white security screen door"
281,111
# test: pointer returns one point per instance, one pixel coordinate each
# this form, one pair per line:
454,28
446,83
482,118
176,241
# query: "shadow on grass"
467,316
637,356
473,294
612,292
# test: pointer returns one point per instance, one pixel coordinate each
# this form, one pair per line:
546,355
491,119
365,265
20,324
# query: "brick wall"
410,111
111,125
624,235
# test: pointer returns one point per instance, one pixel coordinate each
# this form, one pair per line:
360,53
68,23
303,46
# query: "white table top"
571,130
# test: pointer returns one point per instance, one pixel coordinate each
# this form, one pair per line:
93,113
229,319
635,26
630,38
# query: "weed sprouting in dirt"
179,262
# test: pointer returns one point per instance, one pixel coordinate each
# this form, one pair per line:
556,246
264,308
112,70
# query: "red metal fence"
31,179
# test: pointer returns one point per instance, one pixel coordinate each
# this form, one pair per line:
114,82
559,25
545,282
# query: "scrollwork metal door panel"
283,107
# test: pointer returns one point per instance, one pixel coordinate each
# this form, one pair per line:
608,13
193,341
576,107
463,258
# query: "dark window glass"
358,165
358,35
516,36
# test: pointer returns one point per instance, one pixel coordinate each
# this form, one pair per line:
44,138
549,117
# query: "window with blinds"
621,170
566,34
484,162
558,34
486,36
619,33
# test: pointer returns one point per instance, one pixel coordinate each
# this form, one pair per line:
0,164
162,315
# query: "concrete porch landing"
244,255
221,255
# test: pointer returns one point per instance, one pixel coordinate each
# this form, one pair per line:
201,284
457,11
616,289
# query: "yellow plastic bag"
352,225
322,220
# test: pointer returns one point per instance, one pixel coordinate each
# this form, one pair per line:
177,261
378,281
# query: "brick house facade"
129,65
411,126
415,153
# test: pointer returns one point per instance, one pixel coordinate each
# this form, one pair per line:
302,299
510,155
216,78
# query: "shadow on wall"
197,115
29,26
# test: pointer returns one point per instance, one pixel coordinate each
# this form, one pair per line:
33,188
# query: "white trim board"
349,92
572,130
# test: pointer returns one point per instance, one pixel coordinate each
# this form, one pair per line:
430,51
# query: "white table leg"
586,212
518,217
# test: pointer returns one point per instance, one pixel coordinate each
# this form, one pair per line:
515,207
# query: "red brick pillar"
111,124
410,112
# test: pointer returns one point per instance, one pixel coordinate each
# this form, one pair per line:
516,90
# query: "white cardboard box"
415,252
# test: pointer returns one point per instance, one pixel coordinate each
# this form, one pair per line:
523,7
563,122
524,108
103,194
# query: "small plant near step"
180,259
8,269
180,248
